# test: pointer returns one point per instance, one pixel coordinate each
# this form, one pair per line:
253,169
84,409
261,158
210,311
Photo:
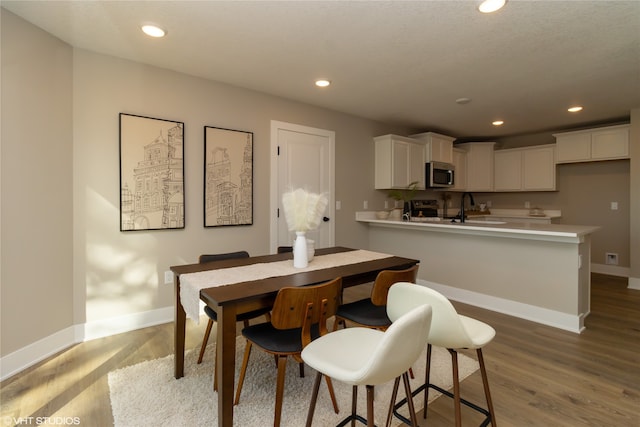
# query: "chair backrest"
399,348
220,257
446,329
386,279
301,307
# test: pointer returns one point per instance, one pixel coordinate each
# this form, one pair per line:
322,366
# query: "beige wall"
60,177
37,203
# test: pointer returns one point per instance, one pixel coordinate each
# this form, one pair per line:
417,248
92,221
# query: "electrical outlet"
338,205
365,205
168,277
386,204
488,203
611,258
614,206
527,205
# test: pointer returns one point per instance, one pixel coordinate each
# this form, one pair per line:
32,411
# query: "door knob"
325,219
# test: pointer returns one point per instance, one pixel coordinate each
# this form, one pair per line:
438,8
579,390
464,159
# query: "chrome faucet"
473,203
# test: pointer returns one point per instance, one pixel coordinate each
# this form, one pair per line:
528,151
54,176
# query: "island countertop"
534,231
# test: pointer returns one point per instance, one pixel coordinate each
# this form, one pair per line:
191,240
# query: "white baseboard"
541,315
33,353
25,357
634,283
611,270
130,322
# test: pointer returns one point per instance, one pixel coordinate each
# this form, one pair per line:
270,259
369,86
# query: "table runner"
192,283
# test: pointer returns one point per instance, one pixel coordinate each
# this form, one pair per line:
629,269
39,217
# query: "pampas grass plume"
303,210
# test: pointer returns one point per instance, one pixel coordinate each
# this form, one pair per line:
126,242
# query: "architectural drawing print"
151,173
228,177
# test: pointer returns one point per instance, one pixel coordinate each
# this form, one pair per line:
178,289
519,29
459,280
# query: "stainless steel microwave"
439,175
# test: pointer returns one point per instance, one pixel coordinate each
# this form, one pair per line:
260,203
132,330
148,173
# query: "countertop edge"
551,232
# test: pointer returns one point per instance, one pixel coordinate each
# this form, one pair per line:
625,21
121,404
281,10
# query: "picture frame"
228,177
151,173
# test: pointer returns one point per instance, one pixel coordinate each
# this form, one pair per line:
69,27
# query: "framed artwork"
151,173
228,177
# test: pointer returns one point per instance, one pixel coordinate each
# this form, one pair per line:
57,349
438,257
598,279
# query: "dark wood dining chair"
213,316
299,315
372,312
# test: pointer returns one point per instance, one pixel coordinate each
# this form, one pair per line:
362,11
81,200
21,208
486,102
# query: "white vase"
300,256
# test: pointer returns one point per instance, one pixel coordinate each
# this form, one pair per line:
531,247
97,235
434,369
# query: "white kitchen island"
539,272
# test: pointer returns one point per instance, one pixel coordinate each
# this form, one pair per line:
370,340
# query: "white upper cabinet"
479,169
607,143
525,169
399,162
460,173
438,148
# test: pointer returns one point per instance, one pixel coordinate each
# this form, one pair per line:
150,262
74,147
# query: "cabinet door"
480,166
539,169
400,164
610,144
573,148
460,174
508,170
441,150
416,164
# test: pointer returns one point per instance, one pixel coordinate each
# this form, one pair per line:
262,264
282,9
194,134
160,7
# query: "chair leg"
427,373
282,367
243,371
407,392
354,405
332,394
205,340
336,323
314,399
301,365
370,414
456,387
394,394
485,382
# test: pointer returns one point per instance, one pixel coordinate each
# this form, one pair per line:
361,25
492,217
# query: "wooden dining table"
230,300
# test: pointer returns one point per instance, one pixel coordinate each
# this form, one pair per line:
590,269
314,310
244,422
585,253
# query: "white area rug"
147,394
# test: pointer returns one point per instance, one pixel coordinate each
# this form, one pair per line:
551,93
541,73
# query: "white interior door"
303,157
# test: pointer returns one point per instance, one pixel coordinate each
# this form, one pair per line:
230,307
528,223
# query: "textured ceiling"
397,62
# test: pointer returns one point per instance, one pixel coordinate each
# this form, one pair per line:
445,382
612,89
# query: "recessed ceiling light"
323,83
488,6
574,109
498,122
463,101
153,30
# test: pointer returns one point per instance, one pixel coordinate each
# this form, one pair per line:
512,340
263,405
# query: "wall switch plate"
168,277
365,205
338,205
386,204
611,258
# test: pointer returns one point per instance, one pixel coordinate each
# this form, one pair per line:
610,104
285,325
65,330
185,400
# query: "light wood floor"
539,376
